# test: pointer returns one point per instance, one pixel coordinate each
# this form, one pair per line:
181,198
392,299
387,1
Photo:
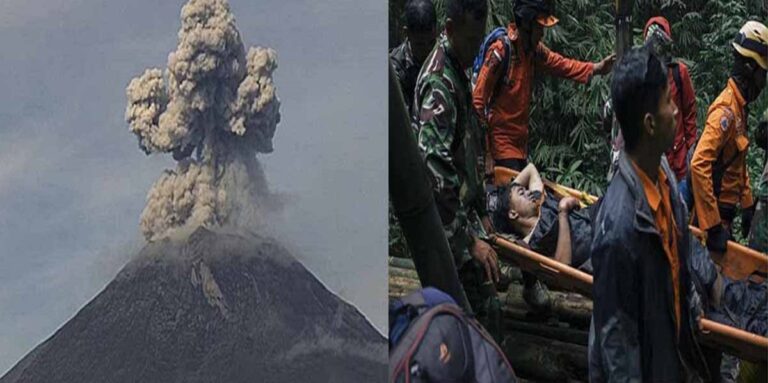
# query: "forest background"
567,141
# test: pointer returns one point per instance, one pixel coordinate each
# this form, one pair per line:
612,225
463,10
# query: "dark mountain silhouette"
215,307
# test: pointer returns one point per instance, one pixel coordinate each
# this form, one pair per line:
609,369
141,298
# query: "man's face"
523,203
421,44
465,36
664,124
531,34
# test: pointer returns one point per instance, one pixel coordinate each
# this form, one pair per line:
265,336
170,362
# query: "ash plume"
213,108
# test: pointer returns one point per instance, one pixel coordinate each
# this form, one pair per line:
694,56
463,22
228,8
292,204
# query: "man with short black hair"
645,305
420,33
554,227
451,141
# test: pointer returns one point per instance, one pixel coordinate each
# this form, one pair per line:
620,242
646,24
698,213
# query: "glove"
717,239
746,219
727,211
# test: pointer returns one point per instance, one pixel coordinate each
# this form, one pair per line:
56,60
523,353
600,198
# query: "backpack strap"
509,51
508,48
498,34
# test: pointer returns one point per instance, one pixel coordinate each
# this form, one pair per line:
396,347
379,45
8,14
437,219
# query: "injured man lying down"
557,228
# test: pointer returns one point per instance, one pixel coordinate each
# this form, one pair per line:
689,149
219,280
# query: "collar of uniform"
650,189
735,89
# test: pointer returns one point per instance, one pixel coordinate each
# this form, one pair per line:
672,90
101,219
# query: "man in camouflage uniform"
451,141
420,33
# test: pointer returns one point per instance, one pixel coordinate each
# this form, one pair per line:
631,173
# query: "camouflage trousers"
482,297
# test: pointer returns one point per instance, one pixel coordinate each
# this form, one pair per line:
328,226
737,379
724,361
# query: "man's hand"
483,252
567,204
605,65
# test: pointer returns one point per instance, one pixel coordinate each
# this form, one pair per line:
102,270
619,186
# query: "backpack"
496,34
433,340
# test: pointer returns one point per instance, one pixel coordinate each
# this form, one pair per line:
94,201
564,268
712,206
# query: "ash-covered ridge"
215,307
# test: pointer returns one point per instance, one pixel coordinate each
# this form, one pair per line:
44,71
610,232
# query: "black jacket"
632,337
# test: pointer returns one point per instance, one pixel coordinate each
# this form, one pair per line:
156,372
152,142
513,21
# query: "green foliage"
566,138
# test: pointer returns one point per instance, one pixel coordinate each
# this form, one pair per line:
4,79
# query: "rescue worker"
450,140
658,33
503,100
645,304
420,34
719,177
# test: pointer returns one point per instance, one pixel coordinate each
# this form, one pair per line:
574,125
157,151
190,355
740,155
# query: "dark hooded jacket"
633,335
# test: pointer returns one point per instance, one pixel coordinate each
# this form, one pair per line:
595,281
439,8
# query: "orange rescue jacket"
724,135
508,115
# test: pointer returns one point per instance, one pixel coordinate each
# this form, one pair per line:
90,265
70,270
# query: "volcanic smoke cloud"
213,108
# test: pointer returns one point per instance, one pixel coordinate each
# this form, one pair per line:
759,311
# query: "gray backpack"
443,344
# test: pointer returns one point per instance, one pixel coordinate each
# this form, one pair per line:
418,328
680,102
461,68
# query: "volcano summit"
215,307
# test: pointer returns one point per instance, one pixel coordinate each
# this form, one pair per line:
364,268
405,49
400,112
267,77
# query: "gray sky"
73,181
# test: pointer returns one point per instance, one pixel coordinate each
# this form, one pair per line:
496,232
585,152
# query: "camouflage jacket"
450,140
406,70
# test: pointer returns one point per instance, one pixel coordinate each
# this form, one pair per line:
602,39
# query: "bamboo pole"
739,262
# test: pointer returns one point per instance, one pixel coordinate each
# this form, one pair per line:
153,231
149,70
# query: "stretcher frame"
739,260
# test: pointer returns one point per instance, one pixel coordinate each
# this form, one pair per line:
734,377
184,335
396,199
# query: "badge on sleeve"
726,119
724,123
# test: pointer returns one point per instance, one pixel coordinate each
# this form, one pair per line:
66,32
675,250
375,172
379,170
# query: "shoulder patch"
724,123
726,119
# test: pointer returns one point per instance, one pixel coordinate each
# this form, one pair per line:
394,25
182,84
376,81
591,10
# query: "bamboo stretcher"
739,260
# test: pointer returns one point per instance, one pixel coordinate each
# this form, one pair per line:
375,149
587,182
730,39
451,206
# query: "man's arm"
710,144
616,307
530,178
563,251
558,65
489,75
689,108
